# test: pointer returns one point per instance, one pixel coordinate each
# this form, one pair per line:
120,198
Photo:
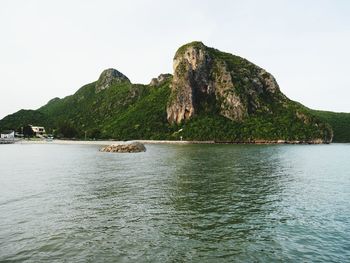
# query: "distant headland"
211,96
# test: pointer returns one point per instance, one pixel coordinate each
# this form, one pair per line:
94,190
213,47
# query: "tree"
67,130
27,131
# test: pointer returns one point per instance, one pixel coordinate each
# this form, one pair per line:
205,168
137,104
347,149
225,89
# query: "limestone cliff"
208,82
160,80
203,74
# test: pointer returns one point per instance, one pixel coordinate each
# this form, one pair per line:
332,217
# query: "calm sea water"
175,203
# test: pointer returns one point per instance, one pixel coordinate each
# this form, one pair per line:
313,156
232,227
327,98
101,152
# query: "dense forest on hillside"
114,108
339,121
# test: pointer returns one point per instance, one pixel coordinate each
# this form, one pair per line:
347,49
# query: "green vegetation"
284,125
17,121
123,111
194,44
126,111
339,121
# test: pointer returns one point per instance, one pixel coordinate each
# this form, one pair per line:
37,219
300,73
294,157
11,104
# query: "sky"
51,48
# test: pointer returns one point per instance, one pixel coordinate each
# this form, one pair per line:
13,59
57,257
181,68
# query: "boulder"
124,147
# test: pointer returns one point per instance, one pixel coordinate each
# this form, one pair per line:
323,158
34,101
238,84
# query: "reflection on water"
225,195
174,203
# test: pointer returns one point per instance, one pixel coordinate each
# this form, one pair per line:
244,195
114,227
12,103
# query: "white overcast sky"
51,48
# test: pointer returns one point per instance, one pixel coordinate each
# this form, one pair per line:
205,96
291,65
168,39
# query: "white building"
37,130
8,135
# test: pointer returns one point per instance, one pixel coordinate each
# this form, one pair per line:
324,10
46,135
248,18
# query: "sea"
175,203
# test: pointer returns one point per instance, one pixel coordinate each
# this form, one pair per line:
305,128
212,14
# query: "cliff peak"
206,79
108,77
194,45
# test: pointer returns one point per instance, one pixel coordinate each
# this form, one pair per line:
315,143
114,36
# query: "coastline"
109,142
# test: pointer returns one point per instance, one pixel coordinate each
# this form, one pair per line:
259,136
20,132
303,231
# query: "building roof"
7,132
36,126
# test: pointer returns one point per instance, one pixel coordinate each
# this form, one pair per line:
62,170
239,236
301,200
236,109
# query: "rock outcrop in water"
125,147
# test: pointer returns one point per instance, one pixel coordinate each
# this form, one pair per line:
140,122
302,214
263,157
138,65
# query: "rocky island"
124,147
211,96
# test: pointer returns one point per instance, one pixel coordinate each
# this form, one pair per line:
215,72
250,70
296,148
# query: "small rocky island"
124,147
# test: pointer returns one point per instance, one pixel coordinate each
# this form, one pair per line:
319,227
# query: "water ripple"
176,203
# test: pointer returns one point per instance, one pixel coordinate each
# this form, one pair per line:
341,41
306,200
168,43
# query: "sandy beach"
108,142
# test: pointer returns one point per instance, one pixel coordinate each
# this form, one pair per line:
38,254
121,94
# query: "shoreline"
109,142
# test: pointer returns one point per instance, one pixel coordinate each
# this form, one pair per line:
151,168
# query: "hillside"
212,95
339,121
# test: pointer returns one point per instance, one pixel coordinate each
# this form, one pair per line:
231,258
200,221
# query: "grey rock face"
127,147
191,76
237,88
160,80
108,77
